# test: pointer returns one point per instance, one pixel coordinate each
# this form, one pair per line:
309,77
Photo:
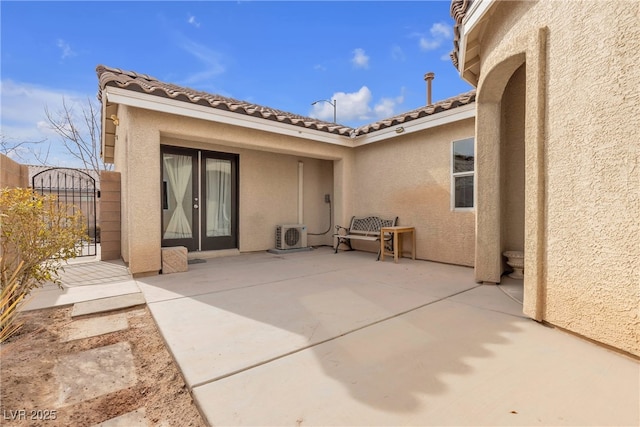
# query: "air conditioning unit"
291,236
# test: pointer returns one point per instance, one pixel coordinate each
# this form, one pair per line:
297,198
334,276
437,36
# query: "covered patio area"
316,338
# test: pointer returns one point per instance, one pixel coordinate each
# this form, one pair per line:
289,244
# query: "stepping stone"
130,419
85,328
96,372
107,304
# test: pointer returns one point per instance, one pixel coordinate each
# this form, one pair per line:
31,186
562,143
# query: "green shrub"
36,235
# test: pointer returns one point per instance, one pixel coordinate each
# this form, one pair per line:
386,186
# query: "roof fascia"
428,122
186,109
115,95
477,10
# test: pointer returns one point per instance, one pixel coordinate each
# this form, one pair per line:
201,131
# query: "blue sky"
369,56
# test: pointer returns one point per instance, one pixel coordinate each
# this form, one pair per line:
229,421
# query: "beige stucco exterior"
13,174
560,79
268,180
410,177
402,175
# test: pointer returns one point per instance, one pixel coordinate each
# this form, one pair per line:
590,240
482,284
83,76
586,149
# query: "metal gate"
78,190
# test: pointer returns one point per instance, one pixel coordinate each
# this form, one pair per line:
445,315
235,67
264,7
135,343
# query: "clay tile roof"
144,83
458,11
447,104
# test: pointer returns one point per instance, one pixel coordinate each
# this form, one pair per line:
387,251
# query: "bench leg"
345,241
388,245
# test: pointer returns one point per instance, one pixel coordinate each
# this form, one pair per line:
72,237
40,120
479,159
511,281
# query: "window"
462,174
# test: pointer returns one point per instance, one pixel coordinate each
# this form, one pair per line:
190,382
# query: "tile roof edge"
130,80
458,11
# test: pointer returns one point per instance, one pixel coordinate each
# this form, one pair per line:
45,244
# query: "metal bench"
364,228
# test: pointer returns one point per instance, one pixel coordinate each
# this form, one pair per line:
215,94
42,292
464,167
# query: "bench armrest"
339,227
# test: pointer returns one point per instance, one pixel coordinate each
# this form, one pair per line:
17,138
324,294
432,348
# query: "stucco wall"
582,132
512,163
409,176
268,180
13,174
120,165
269,193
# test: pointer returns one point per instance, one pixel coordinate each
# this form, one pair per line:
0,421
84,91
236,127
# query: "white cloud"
429,44
356,107
65,48
319,67
192,21
440,29
212,61
397,53
349,106
23,103
22,118
438,33
360,58
387,107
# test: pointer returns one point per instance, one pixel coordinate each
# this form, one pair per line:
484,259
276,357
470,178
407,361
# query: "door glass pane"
177,212
218,192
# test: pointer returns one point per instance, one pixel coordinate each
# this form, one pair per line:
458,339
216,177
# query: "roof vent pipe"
429,78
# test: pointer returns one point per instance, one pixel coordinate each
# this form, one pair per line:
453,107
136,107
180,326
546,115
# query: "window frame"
454,175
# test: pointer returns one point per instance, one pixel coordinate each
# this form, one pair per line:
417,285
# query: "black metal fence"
76,189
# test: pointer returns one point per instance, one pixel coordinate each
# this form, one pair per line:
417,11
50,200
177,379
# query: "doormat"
196,261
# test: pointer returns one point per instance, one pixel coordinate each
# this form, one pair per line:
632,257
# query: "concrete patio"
315,338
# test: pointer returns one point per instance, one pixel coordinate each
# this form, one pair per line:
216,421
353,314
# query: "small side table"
397,241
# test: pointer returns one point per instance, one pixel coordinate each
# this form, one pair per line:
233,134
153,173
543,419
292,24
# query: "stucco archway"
500,166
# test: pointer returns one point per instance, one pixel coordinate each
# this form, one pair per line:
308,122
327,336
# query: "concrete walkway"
92,287
85,280
314,338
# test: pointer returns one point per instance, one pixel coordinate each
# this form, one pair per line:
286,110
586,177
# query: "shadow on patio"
318,338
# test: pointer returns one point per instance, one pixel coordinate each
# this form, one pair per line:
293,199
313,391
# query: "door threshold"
213,254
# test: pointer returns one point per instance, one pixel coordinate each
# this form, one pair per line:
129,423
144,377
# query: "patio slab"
490,297
84,280
444,364
102,305
255,269
135,418
95,372
52,296
214,335
94,326
222,274
345,340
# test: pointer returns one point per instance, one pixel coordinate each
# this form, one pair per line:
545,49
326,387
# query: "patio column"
142,196
535,286
488,263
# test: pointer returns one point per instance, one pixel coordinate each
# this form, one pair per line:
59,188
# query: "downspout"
300,192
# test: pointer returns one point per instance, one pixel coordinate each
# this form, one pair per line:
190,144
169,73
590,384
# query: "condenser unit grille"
291,236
